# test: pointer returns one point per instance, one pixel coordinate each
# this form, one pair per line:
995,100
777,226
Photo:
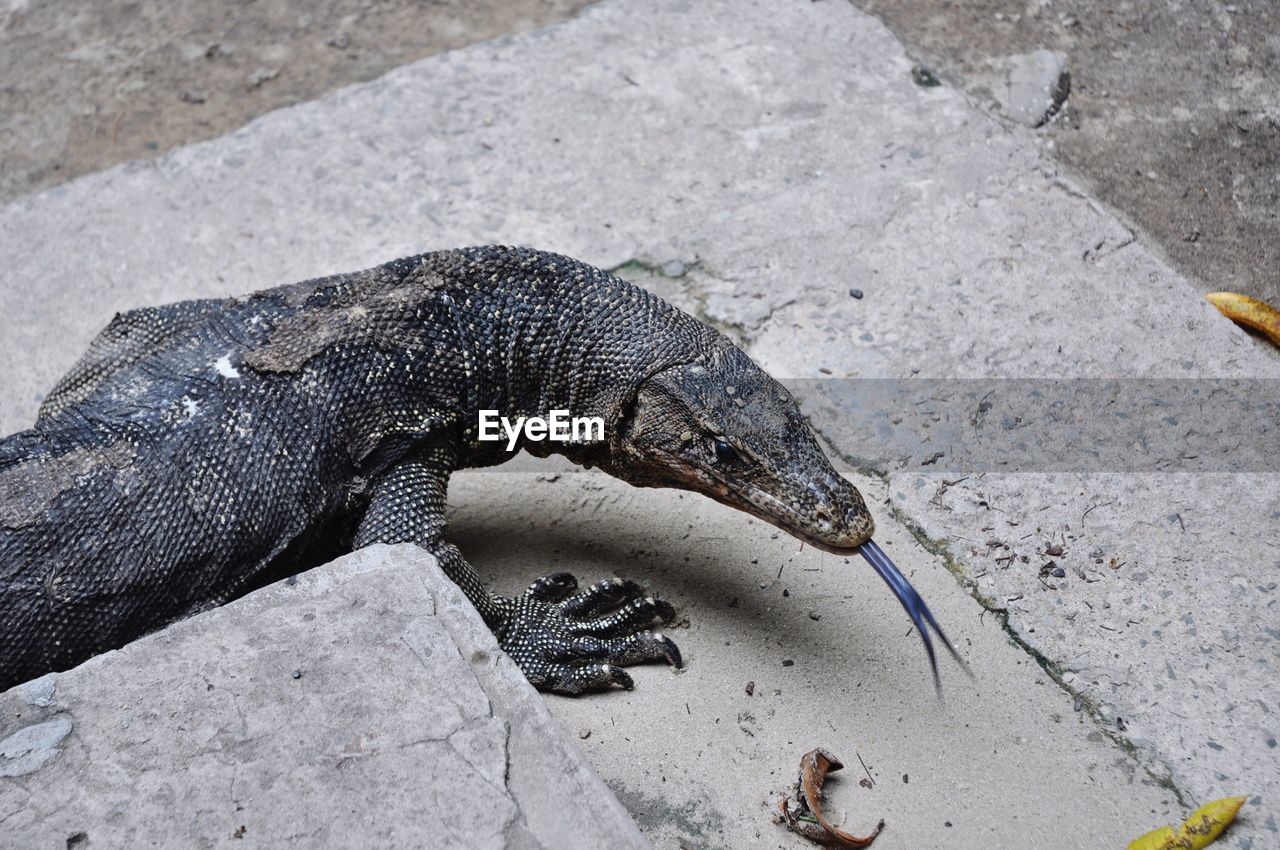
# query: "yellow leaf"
1205,824
1248,311
1156,839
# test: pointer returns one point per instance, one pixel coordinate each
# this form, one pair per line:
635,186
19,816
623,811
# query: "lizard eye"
724,451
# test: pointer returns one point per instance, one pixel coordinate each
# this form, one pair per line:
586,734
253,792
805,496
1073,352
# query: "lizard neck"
551,333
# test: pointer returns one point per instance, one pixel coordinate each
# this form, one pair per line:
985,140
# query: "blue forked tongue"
910,599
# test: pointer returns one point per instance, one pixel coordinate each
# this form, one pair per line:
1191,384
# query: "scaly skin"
202,449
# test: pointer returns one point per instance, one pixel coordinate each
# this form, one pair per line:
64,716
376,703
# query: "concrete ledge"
363,703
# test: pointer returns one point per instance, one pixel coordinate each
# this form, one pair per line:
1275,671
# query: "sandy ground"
86,86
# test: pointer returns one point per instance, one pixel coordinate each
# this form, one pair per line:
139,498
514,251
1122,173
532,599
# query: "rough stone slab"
697,137
364,704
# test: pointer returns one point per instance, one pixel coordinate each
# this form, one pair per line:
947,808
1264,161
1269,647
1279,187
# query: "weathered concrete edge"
545,747
526,711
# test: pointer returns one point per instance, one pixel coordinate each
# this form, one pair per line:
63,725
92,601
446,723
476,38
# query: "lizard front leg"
565,641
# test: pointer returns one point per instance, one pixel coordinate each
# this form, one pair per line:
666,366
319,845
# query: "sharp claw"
619,676
915,606
671,651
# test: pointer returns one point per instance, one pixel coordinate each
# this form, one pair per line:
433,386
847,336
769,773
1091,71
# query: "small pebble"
1059,572
815,616
584,734
925,77
856,293
905,779
751,689
297,674
787,662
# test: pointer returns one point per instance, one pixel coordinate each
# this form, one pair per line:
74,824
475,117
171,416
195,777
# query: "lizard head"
722,427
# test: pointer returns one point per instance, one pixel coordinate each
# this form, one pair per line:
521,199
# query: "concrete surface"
1173,118
100,83
362,704
696,150
1003,762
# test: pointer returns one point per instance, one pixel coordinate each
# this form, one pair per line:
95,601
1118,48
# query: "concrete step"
362,704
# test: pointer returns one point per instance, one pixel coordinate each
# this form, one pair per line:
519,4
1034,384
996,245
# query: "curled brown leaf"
807,817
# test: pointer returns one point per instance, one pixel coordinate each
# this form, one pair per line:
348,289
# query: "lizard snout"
839,517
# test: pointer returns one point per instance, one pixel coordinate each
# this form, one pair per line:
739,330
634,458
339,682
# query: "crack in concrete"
518,817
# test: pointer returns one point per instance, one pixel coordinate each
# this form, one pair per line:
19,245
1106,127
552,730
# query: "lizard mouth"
762,505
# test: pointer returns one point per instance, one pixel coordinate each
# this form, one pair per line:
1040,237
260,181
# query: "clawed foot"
569,642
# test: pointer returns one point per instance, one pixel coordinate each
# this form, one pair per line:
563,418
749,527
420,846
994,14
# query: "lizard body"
202,449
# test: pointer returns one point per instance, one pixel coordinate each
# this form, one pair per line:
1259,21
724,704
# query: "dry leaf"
807,818
1156,839
1196,832
1251,312
1206,824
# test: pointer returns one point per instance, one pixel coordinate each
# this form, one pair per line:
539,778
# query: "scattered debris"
807,818
1198,831
1052,569
260,76
864,769
925,78
1038,86
1250,312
